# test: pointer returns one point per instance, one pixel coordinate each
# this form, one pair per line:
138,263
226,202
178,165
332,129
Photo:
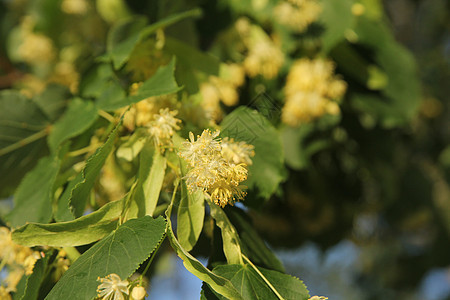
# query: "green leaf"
252,245
34,280
63,211
34,196
79,116
161,83
337,18
191,213
217,283
267,170
132,147
20,288
190,60
22,131
123,38
113,96
121,253
153,182
94,83
80,193
72,202
82,231
401,94
230,237
53,100
252,286
152,168
301,143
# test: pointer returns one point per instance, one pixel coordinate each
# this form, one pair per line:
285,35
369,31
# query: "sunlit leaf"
84,230
152,168
252,286
121,253
230,237
219,284
34,280
191,212
83,183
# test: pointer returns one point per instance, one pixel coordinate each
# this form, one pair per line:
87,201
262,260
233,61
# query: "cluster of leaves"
86,180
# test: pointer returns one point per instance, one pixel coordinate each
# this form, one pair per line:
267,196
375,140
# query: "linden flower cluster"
297,14
311,90
216,167
163,126
66,74
19,259
35,48
75,7
143,112
222,88
264,57
113,288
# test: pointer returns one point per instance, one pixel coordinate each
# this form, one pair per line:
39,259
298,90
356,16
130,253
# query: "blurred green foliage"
80,82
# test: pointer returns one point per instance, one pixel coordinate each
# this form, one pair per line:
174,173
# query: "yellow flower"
221,88
7,247
29,262
74,7
213,173
264,58
15,255
297,15
210,101
36,48
163,127
223,193
62,265
303,107
66,74
195,151
226,91
4,293
233,73
14,276
31,85
138,293
318,298
237,152
311,91
112,287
